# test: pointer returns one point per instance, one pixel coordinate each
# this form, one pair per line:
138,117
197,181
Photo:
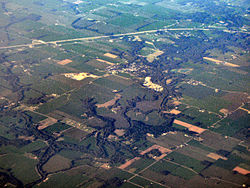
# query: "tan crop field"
189,126
215,156
128,163
241,170
64,62
221,62
103,61
80,76
109,103
151,57
110,55
160,148
173,111
46,123
120,132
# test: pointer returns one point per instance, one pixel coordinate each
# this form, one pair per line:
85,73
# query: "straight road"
37,43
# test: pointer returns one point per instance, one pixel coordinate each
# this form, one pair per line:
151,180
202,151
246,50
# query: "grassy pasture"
36,145
186,161
126,20
21,166
57,127
64,179
230,127
145,183
56,163
201,119
139,165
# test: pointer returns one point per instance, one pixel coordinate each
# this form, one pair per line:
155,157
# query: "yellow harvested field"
149,84
173,111
128,163
151,57
215,156
212,59
46,123
80,76
109,103
168,81
231,64
120,132
221,62
241,170
110,55
103,61
64,62
147,42
189,126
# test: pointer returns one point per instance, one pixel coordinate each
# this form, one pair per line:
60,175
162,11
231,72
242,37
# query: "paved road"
37,43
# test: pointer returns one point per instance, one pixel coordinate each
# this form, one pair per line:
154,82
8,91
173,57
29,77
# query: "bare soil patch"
221,62
109,103
103,61
64,62
160,148
120,132
215,156
173,111
128,163
241,170
151,57
189,126
110,55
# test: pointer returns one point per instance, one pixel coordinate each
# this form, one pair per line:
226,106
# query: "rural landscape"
124,93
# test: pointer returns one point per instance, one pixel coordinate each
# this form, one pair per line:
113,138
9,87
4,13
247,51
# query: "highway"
101,37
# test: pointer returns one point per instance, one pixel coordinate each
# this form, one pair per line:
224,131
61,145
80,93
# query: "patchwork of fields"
128,93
